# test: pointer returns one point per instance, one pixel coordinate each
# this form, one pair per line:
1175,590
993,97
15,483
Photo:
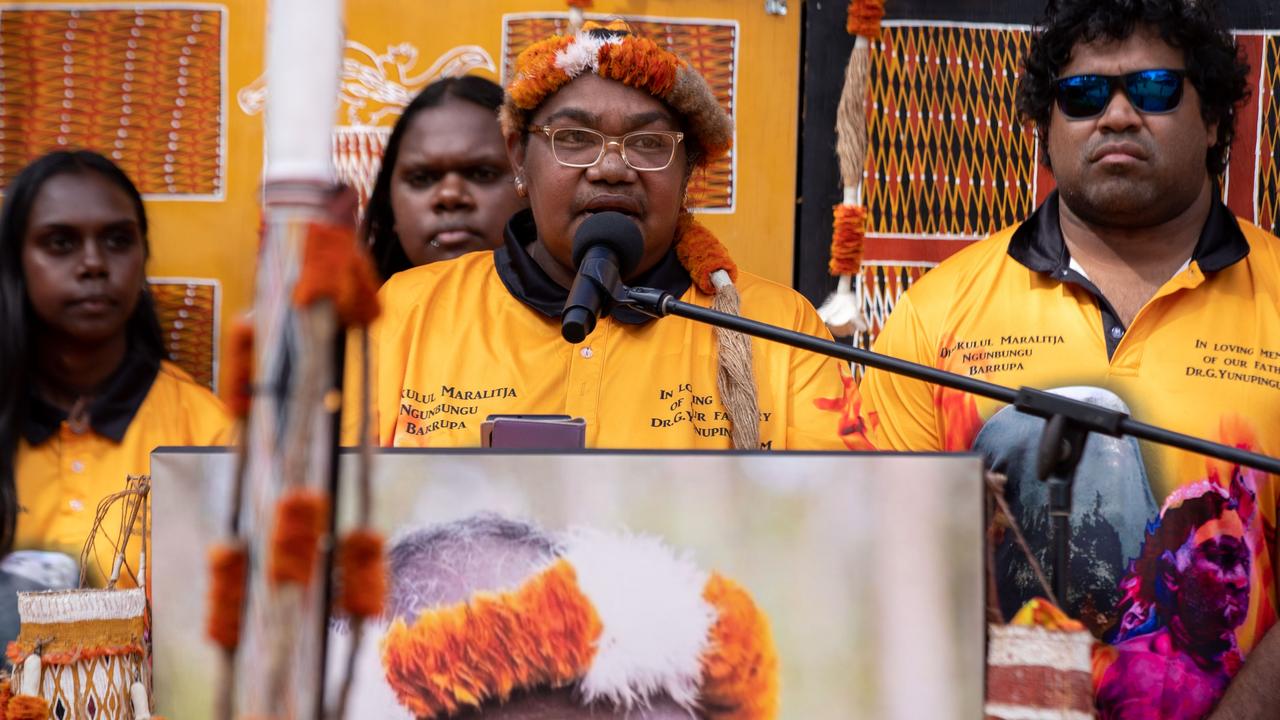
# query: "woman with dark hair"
445,185
87,391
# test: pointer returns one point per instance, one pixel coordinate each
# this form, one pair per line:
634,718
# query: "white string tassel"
141,703
842,311
31,675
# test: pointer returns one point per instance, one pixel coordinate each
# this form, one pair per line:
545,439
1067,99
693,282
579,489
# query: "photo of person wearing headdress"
497,618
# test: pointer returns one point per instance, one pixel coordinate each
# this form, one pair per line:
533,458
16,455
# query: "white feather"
583,54
656,623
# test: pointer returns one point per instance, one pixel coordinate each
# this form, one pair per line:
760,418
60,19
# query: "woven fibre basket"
92,649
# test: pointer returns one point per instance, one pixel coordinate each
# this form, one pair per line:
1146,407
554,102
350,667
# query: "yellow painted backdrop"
761,229
216,237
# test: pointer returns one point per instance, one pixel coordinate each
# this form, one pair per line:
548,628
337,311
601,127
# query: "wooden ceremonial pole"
290,428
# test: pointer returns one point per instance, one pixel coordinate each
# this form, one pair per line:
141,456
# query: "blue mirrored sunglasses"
1150,91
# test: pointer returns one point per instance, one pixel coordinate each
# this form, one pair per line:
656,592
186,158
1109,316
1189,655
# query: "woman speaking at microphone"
603,121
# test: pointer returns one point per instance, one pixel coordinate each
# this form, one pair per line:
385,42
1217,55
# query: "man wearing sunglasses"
1132,283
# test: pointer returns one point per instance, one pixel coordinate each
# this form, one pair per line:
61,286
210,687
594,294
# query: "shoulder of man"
1264,245
973,268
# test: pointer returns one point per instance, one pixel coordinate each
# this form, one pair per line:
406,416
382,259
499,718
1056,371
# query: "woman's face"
83,258
451,190
563,197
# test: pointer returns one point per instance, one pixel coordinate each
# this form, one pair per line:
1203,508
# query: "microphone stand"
1068,421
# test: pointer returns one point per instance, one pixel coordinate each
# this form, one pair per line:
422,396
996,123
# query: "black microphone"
607,246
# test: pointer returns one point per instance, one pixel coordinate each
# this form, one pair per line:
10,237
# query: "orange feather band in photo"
614,52
622,619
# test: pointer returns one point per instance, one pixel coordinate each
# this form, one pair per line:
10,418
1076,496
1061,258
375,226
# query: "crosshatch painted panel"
142,85
1268,190
188,313
711,47
946,152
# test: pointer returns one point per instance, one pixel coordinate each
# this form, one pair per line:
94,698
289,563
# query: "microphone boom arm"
1026,399
1067,421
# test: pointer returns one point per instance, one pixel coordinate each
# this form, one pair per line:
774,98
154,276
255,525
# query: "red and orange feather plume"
301,517
337,268
865,17
848,233
362,574
537,75
639,63
27,707
238,392
228,573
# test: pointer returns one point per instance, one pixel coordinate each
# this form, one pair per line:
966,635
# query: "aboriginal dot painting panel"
188,312
947,155
141,85
711,47
1268,190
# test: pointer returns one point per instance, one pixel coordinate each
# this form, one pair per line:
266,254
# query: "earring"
521,190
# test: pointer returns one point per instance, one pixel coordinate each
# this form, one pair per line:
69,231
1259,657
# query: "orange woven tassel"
238,389
27,707
6,693
301,517
337,268
865,17
228,570
362,572
849,229
701,253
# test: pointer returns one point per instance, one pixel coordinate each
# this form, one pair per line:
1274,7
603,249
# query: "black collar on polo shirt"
529,284
1038,243
109,413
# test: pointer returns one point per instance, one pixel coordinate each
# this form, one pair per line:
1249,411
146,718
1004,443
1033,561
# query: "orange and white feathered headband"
621,618
614,53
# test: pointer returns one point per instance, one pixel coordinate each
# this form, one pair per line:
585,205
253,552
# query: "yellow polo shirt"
62,474
1202,358
480,335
